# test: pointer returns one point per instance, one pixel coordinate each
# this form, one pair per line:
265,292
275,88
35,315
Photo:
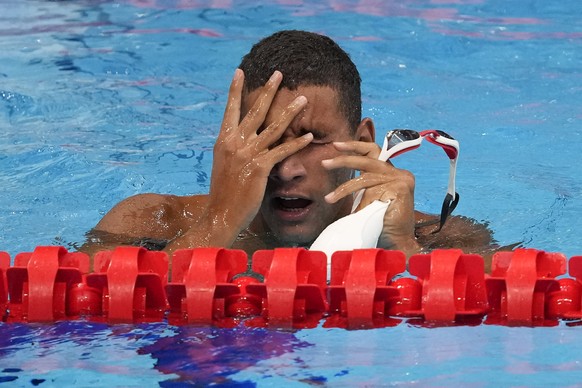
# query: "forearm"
218,230
99,240
407,244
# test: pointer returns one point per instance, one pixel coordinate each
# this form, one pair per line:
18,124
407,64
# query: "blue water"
145,355
100,100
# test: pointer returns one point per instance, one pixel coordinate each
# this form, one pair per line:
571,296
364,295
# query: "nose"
289,169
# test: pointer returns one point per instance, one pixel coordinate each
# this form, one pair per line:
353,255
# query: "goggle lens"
401,135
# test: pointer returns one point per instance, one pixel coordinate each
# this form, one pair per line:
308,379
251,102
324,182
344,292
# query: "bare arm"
149,220
244,155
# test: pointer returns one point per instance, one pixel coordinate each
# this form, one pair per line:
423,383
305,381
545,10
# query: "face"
293,208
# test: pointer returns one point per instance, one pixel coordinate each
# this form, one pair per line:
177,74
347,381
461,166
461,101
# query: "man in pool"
284,166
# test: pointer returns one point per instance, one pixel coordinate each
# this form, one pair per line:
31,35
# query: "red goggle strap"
450,146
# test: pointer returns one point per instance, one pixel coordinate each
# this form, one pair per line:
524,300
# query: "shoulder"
458,232
152,215
141,204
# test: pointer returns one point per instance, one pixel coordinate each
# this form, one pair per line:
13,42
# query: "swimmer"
284,163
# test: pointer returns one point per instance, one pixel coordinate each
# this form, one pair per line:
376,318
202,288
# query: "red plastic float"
202,280
360,291
293,290
39,283
4,264
566,303
131,281
520,285
288,288
453,286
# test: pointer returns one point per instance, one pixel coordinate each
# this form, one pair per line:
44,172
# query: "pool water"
100,100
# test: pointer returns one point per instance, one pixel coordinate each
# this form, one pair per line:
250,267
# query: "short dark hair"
306,59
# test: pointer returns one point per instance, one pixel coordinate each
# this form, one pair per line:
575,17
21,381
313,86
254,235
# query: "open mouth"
292,204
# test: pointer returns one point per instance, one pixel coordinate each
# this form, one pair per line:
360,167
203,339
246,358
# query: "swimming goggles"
399,141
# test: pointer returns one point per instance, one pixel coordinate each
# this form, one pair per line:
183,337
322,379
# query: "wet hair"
306,59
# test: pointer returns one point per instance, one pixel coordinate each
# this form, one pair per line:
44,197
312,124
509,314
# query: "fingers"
354,185
258,112
362,148
380,186
274,131
356,162
232,111
364,157
255,117
286,149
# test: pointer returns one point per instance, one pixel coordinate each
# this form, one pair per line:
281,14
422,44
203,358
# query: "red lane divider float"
292,294
453,286
202,280
521,283
40,284
131,282
566,303
360,291
287,288
4,264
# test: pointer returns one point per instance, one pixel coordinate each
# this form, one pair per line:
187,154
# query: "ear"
366,131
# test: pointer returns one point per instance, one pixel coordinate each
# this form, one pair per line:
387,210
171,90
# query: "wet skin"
282,171
294,207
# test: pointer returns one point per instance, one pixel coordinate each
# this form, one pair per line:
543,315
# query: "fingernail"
329,197
276,76
326,162
300,100
238,73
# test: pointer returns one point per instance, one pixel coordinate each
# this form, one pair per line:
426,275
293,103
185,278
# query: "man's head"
306,59
294,208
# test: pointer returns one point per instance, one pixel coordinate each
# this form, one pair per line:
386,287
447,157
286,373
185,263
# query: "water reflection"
203,356
83,352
